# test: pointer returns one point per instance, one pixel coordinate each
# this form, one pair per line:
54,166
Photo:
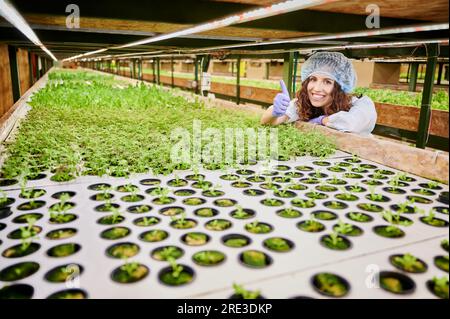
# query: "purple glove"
317,120
281,101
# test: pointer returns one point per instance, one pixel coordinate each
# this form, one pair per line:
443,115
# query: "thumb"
284,88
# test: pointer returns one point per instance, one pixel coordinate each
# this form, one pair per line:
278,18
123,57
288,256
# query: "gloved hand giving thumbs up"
281,101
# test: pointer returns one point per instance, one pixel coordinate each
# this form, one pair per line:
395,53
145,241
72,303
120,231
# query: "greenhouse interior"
224,149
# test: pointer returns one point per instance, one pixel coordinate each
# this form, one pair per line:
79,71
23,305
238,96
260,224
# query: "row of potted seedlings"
180,274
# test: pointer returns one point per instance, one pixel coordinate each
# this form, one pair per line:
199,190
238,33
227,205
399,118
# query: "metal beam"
413,77
427,94
238,81
288,68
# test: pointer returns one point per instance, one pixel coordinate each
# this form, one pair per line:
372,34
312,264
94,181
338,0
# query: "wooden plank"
160,27
429,164
432,10
6,95
407,118
24,70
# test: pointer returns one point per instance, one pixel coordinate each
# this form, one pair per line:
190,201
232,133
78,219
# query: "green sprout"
239,290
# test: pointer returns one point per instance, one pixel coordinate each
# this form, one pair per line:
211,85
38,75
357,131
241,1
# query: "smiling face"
319,89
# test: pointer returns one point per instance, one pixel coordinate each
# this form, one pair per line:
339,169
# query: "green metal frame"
288,68
427,94
413,76
238,81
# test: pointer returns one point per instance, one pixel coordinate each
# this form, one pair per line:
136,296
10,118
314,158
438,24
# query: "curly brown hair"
306,111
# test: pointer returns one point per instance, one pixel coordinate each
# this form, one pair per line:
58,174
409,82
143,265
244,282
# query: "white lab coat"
360,119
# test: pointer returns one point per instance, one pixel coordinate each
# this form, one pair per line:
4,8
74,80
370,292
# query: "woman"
324,99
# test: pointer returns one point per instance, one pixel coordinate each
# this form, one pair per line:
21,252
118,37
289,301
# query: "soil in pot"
8,182
438,287
19,271
243,213
177,182
335,205
236,240
115,233
330,285
163,200
408,263
311,226
129,273
289,213
230,177
17,291
32,193
218,224
208,258
272,202
255,259
58,195
195,239
194,201
278,244
22,250
102,197
239,184
99,187
31,205
206,212
418,199
302,203
441,262
128,188
258,228
60,234
372,208
347,229
389,231
433,221
63,250
359,217
166,252
225,202
153,236
5,212
69,294
23,219
253,192
347,197
106,208
123,250
396,283
111,220
63,273
132,198
139,209
172,211
394,190
316,195
184,192
326,188
150,182
176,275
304,168
324,215
183,223
335,242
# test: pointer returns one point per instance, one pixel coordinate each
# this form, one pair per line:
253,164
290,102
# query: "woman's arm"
269,119
360,119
